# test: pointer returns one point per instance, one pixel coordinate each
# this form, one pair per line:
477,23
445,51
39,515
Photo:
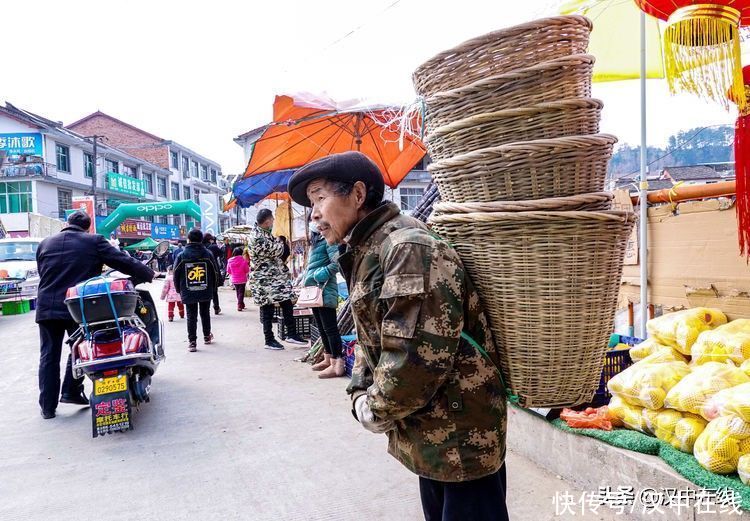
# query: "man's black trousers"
477,500
192,319
51,334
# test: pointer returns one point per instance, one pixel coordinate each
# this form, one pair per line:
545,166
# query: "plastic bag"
720,445
734,401
694,391
665,354
590,418
647,384
743,468
630,416
728,342
679,429
648,347
681,329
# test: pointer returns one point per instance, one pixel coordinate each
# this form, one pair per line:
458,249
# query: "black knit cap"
346,166
80,218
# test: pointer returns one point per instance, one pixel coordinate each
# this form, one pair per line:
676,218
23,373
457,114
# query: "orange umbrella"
307,128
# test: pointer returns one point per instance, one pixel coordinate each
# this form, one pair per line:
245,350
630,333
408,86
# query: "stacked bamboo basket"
520,167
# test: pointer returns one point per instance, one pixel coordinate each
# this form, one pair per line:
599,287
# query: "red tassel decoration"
742,173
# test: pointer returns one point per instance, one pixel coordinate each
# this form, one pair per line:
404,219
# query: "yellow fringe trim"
702,54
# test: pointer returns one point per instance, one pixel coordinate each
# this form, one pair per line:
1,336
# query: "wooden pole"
690,192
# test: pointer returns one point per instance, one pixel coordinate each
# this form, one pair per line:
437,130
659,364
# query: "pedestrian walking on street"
322,267
417,376
238,270
171,295
270,282
64,260
209,241
195,278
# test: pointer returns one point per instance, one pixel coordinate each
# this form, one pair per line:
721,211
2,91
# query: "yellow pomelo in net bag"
631,416
717,449
743,468
681,328
728,342
665,354
647,384
694,391
734,401
648,347
679,429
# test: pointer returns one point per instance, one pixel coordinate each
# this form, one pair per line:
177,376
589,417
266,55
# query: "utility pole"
94,172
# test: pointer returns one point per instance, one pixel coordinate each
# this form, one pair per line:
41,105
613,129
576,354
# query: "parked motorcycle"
119,345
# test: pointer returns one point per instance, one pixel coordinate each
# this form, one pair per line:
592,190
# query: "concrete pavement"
232,432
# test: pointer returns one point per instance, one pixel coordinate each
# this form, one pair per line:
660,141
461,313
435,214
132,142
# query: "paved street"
233,432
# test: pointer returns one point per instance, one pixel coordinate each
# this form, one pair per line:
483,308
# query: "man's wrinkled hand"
368,420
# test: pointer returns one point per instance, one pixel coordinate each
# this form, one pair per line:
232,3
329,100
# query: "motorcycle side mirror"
161,249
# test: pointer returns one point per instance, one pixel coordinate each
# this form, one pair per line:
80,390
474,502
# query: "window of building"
112,166
194,168
186,192
161,185
410,197
88,165
175,160
64,201
213,175
63,158
129,171
185,167
175,191
204,172
15,197
197,196
148,178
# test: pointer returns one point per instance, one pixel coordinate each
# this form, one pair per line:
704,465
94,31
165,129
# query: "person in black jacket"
195,277
64,260
209,241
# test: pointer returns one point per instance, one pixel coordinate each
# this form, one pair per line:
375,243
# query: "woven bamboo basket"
549,283
593,202
539,169
575,117
502,51
567,77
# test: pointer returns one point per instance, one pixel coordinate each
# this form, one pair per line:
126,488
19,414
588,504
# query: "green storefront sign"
126,185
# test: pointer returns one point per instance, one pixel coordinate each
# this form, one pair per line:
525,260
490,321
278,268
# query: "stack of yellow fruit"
681,329
743,468
679,429
648,347
728,342
720,445
734,401
646,384
692,393
631,416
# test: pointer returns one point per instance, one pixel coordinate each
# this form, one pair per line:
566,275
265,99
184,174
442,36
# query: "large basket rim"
541,108
532,216
505,33
514,75
484,154
545,204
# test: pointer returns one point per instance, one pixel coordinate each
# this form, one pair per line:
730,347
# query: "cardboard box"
693,259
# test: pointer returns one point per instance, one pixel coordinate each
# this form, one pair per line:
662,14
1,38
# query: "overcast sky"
201,73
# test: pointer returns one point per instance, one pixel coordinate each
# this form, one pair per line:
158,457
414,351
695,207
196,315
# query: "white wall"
45,199
11,126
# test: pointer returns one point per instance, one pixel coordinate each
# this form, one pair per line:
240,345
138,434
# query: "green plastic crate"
18,307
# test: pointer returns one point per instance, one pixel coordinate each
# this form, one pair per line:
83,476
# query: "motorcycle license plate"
113,384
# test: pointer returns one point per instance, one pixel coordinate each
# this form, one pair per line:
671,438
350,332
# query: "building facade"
188,175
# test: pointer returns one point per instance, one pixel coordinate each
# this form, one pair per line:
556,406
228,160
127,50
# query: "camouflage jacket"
411,299
269,278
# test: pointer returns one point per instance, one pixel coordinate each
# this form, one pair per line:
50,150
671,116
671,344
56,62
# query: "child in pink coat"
238,269
170,294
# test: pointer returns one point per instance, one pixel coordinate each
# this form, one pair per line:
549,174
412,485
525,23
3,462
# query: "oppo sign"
153,207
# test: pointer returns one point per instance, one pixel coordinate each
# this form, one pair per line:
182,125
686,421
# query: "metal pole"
643,220
93,176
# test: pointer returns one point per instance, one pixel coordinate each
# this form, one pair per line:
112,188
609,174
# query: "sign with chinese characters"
110,412
86,203
165,231
22,144
134,229
126,185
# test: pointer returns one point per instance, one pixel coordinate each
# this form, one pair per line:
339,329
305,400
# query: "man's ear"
360,194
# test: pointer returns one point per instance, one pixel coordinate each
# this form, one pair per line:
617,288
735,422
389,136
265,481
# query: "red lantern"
702,46
742,172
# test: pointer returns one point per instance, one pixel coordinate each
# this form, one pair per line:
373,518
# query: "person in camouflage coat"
269,281
416,377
